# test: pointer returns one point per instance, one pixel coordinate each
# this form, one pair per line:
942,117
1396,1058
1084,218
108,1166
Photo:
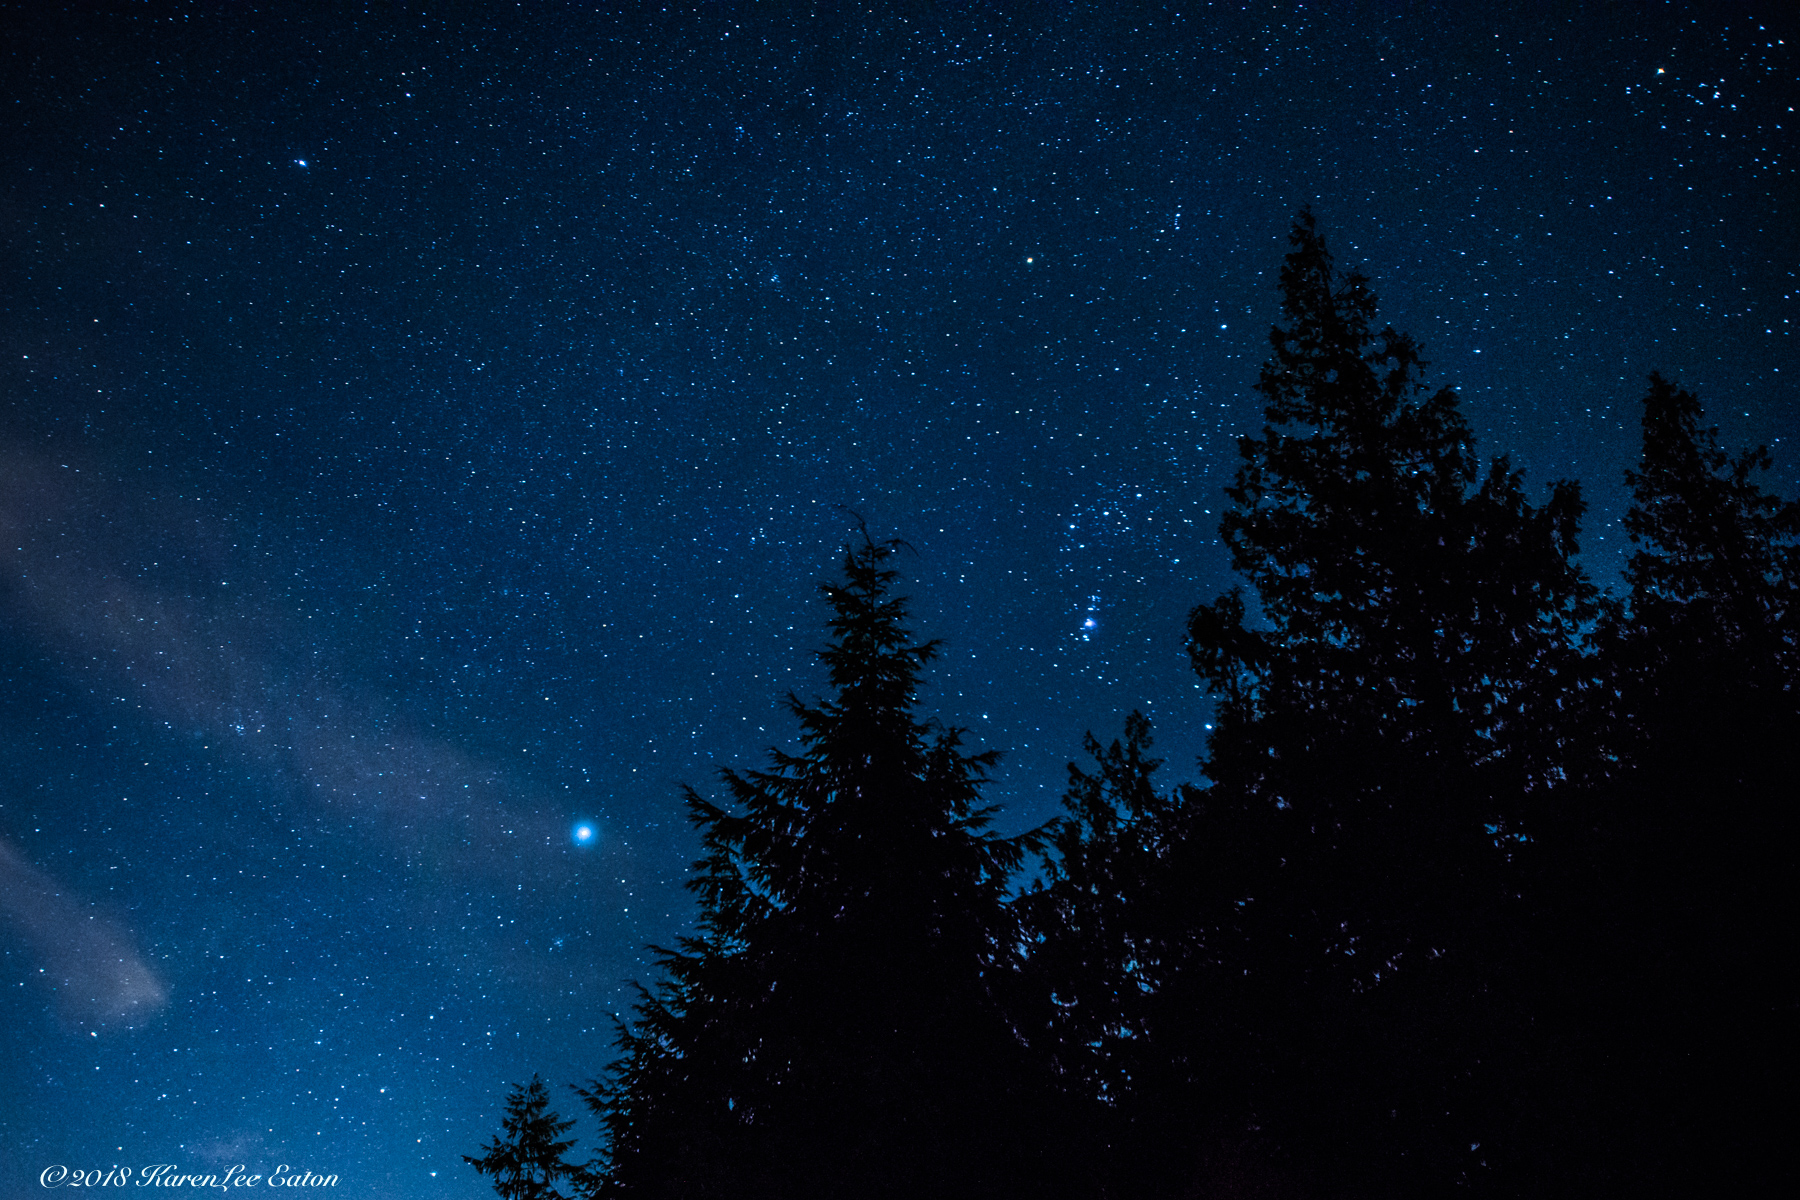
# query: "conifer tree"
529,1163
835,1026
1099,949
1687,1004
1718,571
1387,740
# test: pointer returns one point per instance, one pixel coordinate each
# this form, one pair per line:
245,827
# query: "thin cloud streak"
212,660
85,960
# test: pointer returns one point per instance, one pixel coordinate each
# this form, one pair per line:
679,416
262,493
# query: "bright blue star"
583,834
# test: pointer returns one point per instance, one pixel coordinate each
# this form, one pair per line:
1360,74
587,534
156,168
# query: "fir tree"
1098,948
1685,999
528,1163
1718,571
835,1025
1387,741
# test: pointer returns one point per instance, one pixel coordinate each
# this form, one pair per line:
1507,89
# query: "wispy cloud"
87,961
144,604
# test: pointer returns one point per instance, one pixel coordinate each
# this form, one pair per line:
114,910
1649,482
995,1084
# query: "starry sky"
423,427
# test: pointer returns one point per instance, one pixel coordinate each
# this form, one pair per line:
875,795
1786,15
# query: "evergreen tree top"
869,658
529,1162
875,794
853,921
1356,390
1358,517
1706,529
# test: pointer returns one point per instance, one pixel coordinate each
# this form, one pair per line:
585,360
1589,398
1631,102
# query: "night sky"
423,428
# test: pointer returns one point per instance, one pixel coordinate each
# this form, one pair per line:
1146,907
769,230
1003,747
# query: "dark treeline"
1480,889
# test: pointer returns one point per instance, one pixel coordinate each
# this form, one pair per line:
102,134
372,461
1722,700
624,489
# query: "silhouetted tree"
1097,948
529,1162
1718,576
1388,733
835,1026
1123,922
1684,1017
1483,889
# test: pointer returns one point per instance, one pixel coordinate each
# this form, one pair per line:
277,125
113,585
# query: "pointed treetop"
869,657
529,1162
1704,522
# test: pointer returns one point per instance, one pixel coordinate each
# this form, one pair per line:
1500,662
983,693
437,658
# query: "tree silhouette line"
1479,891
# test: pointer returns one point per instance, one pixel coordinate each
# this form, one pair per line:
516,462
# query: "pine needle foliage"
1716,550
1099,946
1389,737
834,1026
1685,997
530,1161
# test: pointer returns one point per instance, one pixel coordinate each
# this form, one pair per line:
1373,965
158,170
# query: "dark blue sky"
423,427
